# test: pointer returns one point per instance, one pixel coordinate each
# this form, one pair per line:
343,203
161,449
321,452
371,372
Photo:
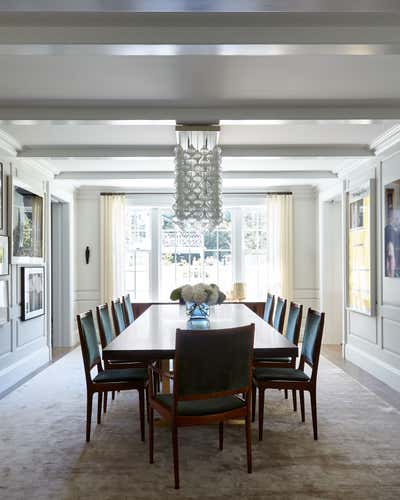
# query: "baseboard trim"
376,367
24,367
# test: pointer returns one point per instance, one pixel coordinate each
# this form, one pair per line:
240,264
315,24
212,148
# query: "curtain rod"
232,192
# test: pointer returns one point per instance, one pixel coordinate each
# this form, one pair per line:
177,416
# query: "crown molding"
387,140
41,166
8,145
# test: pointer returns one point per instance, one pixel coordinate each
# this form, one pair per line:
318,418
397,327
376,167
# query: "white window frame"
158,202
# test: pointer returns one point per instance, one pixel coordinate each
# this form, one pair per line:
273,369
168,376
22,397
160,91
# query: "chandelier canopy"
198,179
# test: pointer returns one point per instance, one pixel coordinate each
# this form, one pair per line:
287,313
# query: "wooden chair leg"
286,394
261,392
113,395
176,456
313,397
294,396
105,402
141,410
221,435
99,406
253,402
248,445
151,435
89,405
303,414
147,404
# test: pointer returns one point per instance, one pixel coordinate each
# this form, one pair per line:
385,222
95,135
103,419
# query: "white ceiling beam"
228,151
149,175
381,109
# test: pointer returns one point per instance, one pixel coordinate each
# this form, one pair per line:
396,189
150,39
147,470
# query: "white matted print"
32,292
4,302
3,255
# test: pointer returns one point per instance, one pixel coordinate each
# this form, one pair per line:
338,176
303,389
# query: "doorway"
61,283
331,270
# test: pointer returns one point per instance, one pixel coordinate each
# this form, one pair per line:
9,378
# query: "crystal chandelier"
198,180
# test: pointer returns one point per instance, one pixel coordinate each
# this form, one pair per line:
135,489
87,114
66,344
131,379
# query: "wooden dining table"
152,335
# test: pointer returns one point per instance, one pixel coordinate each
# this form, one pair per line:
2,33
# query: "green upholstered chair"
106,380
118,316
279,316
128,309
292,334
269,308
212,383
295,379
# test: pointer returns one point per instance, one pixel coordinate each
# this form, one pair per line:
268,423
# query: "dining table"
152,335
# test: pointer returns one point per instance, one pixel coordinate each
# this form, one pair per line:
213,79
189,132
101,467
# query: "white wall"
373,343
87,233
24,345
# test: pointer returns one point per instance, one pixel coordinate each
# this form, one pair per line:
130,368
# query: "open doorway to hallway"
331,269
60,309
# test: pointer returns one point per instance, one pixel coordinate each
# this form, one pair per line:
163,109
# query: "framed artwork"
392,230
360,250
4,302
32,292
27,224
3,255
2,197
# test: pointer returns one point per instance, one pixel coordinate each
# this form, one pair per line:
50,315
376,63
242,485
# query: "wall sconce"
87,255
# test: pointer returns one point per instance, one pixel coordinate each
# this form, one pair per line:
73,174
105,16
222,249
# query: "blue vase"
197,311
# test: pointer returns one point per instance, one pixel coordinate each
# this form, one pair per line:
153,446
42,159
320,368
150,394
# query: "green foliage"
176,294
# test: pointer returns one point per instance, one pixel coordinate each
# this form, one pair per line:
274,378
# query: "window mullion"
237,244
155,255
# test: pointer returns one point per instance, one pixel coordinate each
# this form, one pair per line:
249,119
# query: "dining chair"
279,316
292,333
295,379
211,383
106,336
128,309
269,308
106,380
118,316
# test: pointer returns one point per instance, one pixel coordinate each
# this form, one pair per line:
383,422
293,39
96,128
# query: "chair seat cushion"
273,360
290,374
122,375
202,406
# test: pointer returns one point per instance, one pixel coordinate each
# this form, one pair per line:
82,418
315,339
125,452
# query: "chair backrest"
269,308
118,316
294,322
105,327
279,317
312,339
89,345
128,309
213,363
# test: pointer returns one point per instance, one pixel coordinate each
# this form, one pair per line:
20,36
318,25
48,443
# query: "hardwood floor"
334,354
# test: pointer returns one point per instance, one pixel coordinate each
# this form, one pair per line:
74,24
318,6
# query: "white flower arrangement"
201,293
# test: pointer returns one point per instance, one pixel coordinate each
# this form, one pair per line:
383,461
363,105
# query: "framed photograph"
360,249
3,255
4,302
392,230
32,292
2,197
27,224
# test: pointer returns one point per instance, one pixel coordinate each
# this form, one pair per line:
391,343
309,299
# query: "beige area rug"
44,456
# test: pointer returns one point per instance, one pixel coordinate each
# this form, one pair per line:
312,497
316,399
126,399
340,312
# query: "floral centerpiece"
198,298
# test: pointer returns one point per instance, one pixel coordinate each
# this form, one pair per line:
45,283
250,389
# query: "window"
191,257
254,245
159,257
138,251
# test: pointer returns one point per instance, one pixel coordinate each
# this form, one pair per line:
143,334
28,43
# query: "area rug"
44,455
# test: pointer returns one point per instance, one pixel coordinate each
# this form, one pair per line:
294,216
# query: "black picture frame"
32,296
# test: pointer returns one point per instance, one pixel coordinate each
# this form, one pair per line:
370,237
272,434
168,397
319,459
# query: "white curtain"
280,244
112,251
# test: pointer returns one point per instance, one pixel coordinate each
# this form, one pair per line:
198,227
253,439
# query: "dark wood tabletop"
152,335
